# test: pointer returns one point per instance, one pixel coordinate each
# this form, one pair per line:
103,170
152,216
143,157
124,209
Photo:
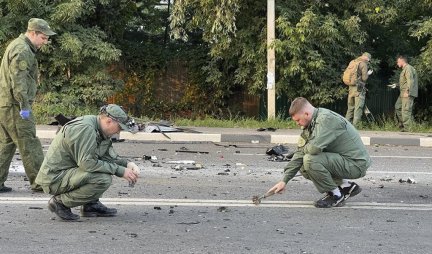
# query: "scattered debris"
157,165
223,209
386,179
187,167
163,149
35,208
189,223
222,173
190,151
409,180
240,165
255,141
424,196
381,186
157,208
150,158
267,129
181,162
133,235
279,153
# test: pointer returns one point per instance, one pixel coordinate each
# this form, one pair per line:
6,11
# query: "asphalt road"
209,210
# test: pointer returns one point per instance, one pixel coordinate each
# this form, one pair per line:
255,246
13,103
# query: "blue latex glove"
25,114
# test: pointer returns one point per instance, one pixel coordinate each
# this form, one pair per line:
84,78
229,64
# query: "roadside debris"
222,173
150,158
409,180
267,129
223,209
187,167
181,162
279,153
190,151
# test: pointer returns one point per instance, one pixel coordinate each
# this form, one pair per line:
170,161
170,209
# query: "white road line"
227,203
374,156
398,172
401,157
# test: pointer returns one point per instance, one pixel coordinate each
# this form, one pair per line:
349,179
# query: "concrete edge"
248,138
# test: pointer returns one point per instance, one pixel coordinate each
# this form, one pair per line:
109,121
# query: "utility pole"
271,61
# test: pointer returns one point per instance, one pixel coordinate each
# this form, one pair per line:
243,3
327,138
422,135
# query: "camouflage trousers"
17,132
356,102
403,109
326,170
78,187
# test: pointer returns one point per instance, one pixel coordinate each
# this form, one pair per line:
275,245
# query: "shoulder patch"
22,65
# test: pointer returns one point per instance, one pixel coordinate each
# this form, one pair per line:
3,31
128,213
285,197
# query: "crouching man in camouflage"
80,162
329,153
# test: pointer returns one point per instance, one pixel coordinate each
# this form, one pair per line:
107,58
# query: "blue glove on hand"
25,114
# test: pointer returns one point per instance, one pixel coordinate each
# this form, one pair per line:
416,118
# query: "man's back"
330,132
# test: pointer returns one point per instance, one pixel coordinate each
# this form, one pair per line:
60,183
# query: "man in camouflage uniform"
329,153
408,87
357,92
80,162
18,82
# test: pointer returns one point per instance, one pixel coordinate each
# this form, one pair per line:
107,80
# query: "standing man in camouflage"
81,161
329,153
408,86
18,83
357,91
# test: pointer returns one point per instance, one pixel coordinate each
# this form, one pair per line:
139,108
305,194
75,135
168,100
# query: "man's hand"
130,176
392,86
278,188
25,114
370,72
134,168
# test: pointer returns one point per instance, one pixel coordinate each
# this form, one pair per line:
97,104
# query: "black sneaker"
56,206
3,189
97,209
350,191
330,200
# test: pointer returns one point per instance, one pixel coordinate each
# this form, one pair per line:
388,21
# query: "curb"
249,138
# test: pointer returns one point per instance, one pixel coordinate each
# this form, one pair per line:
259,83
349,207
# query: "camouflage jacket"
19,74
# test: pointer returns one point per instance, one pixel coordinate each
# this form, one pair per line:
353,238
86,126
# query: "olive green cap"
40,25
118,114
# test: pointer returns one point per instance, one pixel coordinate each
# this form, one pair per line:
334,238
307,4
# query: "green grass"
382,124
250,123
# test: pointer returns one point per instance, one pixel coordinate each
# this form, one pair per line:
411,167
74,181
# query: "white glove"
134,168
370,72
392,86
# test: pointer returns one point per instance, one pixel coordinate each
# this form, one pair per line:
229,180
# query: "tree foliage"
122,50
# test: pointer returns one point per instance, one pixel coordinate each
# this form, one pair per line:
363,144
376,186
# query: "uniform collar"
314,116
100,129
28,41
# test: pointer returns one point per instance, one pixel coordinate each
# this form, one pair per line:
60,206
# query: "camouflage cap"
117,113
366,54
40,25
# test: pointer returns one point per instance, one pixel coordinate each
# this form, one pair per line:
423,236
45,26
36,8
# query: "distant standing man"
18,83
81,161
329,152
358,73
408,87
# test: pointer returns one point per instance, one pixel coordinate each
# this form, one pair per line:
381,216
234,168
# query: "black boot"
3,189
97,209
56,206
